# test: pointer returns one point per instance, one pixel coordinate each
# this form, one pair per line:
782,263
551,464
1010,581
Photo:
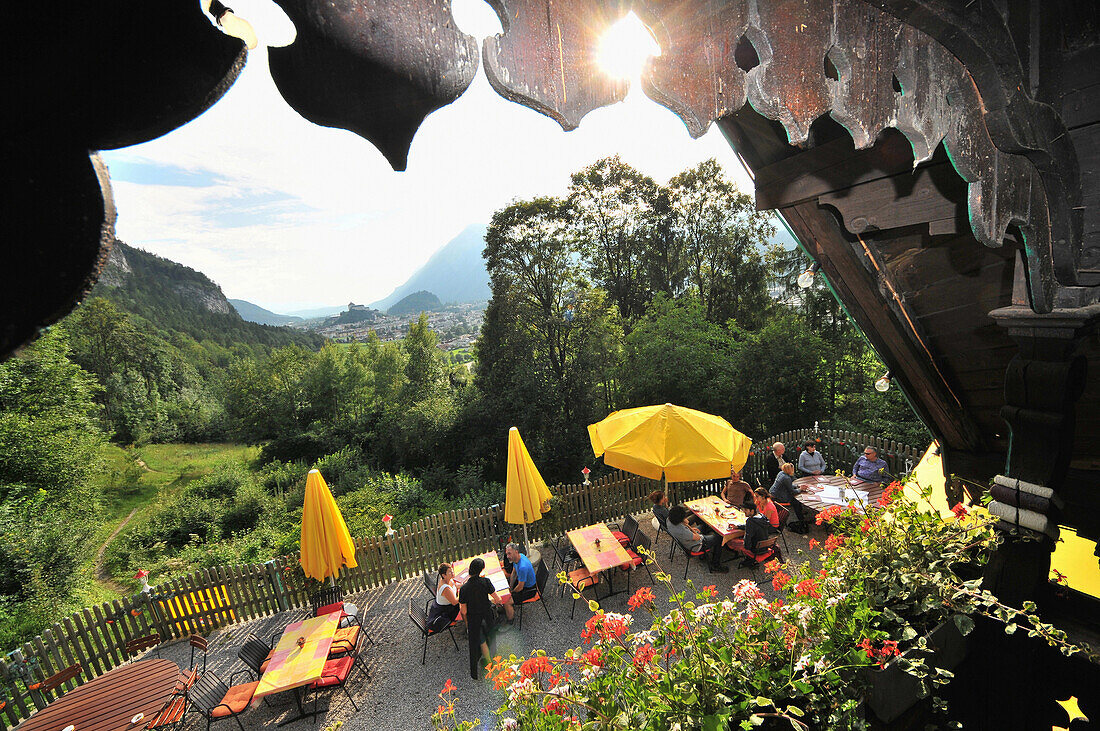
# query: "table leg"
298,693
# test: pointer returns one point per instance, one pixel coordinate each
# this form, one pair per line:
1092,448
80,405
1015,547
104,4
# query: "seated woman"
811,461
766,507
783,491
660,507
444,609
738,492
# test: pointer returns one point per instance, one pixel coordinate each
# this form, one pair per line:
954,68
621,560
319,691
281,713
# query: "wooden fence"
207,599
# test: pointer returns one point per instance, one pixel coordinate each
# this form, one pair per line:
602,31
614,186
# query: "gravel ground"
400,692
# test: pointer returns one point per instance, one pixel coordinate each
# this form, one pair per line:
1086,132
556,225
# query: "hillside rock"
415,303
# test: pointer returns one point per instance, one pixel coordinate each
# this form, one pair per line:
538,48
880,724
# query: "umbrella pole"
526,543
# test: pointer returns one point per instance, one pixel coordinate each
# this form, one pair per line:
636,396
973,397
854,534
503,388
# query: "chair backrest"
431,582
323,597
253,653
641,540
419,617
661,525
57,679
171,713
199,642
630,527
782,512
541,574
766,544
207,692
139,645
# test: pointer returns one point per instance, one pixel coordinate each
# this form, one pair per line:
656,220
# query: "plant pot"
892,691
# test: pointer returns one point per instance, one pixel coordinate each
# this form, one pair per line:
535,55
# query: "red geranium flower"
959,510
641,598
780,580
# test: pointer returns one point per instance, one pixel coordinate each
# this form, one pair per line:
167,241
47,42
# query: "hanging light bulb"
806,278
232,24
882,385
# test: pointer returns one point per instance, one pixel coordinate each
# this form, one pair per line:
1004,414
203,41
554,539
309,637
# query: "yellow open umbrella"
326,543
670,441
525,490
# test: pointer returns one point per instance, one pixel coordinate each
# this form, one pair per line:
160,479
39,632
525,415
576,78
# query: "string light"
806,278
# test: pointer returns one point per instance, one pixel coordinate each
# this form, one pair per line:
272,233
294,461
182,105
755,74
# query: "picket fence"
200,602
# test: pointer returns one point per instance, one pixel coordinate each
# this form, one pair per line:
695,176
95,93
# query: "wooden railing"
210,598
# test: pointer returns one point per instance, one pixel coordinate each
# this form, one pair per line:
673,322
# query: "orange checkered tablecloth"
292,666
493,571
608,554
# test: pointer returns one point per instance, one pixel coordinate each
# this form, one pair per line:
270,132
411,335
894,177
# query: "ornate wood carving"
696,75
374,67
547,57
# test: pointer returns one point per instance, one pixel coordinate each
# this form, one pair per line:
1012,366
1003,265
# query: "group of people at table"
475,599
760,505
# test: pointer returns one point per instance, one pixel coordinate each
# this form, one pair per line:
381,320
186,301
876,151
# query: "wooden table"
492,571
607,555
824,490
109,702
728,523
292,667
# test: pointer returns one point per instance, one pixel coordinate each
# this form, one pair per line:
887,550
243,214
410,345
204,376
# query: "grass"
132,480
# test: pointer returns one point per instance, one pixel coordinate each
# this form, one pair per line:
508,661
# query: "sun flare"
625,47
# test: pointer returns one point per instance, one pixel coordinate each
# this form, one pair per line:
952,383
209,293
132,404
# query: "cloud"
287,214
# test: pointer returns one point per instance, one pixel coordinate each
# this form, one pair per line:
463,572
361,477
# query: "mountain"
415,303
455,274
354,314
257,314
174,297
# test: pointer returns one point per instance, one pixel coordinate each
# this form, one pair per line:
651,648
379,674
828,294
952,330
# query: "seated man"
521,578
757,528
783,491
869,467
811,461
737,492
695,541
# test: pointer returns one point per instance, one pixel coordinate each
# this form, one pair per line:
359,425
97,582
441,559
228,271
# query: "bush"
222,483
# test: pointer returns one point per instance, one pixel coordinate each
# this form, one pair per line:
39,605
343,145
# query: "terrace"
228,603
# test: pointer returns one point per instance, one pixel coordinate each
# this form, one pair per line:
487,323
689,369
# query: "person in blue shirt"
783,491
869,467
811,461
521,578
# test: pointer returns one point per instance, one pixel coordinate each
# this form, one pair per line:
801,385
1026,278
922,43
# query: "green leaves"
964,623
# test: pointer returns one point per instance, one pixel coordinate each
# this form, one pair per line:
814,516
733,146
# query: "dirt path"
101,574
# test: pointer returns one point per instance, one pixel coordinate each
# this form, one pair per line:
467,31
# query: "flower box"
892,691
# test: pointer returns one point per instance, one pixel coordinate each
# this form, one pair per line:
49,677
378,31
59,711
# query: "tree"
615,215
722,233
424,367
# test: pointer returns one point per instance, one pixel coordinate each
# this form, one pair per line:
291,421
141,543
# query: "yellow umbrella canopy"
676,442
326,543
525,490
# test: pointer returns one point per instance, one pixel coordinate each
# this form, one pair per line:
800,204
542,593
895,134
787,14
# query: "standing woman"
445,607
476,598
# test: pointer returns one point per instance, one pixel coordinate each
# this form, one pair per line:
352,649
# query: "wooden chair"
56,680
138,645
198,642
420,618
784,512
541,574
172,713
215,700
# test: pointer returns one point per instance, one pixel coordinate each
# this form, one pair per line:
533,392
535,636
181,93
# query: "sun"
625,47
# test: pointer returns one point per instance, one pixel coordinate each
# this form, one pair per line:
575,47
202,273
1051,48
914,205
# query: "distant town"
456,326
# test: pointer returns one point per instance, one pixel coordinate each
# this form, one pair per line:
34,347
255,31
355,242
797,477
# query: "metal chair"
541,575
579,580
784,512
325,600
255,654
215,700
431,582
335,675
198,642
641,540
564,555
661,528
630,528
420,618
688,553
765,550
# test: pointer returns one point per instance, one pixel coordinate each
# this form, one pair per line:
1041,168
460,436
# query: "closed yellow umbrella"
525,490
326,543
670,441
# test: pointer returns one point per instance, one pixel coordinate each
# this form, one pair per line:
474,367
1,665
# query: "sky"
290,215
